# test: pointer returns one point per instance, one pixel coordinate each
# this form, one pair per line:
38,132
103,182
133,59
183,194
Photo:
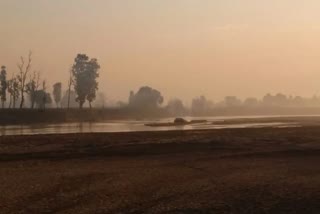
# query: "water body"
134,126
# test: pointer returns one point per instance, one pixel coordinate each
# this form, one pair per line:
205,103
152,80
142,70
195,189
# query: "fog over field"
160,106
183,48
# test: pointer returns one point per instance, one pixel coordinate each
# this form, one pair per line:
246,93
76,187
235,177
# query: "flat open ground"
268,170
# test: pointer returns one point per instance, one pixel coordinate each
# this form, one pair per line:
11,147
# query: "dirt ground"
268,170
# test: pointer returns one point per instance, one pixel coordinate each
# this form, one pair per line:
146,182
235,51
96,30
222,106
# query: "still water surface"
131,126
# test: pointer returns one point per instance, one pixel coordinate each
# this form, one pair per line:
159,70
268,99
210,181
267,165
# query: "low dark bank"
236,171
32,116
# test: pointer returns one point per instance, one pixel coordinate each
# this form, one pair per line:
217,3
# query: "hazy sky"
184,48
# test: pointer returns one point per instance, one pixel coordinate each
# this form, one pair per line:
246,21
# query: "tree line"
27,82
83,86
147,98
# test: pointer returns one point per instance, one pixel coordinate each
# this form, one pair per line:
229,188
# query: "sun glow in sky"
184,48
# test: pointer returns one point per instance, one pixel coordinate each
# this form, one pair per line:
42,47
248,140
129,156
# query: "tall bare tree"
24,69
3,85
14,91
32,86
45,97
69,86
9,83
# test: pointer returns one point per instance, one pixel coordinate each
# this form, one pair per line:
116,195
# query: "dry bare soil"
265,170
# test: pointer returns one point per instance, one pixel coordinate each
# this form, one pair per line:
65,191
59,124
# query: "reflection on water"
129,126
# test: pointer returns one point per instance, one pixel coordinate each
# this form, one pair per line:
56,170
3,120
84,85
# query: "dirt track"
223,171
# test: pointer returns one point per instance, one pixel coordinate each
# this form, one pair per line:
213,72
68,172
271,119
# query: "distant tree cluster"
28,83
149,98
269,100
146,97
176,107
24,83
200,105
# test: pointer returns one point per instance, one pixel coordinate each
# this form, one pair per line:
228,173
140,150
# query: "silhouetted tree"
277,100
91,96
201,105
85,74
14,91
146,97
69,87
42,98
175,107
32,86
57,93
281,99
298,101
232,101
251,102
3,85
24,69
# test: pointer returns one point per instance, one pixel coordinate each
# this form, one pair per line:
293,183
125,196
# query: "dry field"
237,171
